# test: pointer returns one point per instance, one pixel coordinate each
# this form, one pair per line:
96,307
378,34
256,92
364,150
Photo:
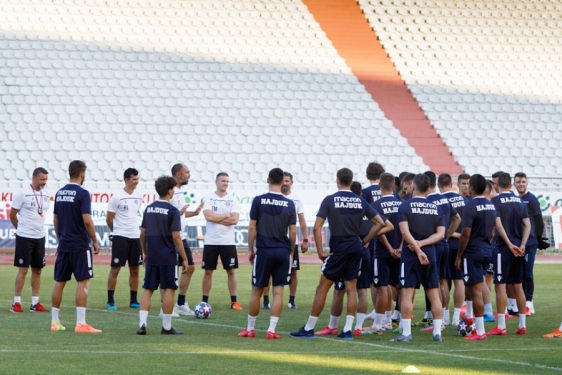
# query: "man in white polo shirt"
122,219
28,217
221,211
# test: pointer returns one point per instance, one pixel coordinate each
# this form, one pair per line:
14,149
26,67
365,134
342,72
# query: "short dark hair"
164,184
421,182
345,175
176,168
497,174
432,178
444,179
504,180
489,185
520,175
397,182
374,170
402,174
76,167
356,188
130,172
478,183
275,176
38,171
407,178
463,176
387,181
221,174
287,174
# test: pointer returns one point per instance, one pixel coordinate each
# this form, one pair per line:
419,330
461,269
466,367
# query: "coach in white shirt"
221,210
28,217
123,220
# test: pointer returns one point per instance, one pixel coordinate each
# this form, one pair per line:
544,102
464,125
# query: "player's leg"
209,265
168,283
318,303
335,310
406,309
83,272
380,279
516,277
22,260
261,273
295,266
266,303
134,261
111,284
182,307
556,334
512,308
150,284
63,273
444,284
207,284
478,307
434,295
529,281
37,264
120,250
280,270
229,260
19,284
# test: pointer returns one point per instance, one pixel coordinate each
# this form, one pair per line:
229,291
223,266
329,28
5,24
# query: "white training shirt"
126,208
299,205
178,201
30,223
218,234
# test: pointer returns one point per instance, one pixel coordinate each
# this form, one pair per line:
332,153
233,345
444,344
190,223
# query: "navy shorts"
211,253
30,252
394,276
274,263
454,274
365,276
508,269
490,268
296,263
381,271
339,285
165,277
187,250
530,253
473,270
344,266
125,250
414,274
79,264
442,255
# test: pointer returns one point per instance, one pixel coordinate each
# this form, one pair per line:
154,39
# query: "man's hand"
458,264
423,258
199,208
96,248
514,249
183,266
183,209
304,247
543,244
321,255
396,253
251,256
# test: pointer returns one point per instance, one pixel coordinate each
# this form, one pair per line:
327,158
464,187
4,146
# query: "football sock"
205,299
378,321
348,323
181,299
387,317
133,296
456,314
143,315
232,299
529,288
360,320
437,326
292,299
55,314
265,300
560,327
333,321
445,316
251,322
488,309
427,305
110,299
17,299
272,323
311,322
34,300
80,315
468,312
406,326
501,321
395,314
167,321
480,330
427,315
522,320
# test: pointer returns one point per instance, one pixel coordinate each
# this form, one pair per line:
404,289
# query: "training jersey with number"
160,219
126,208
29,202
534,209
219,234
388,205
273,214
179,200
344,211
446,207
423,218
511,210
71,202
457,202
479,215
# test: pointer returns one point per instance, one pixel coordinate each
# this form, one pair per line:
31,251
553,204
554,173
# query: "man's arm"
292,236
252,231
213,217
526,223
91,229
14,217
434,238
463,242
405,230
143,245
109,220
376,229
318,224
384,241
455,222
193,213
304,233
178,243
56,225
501,231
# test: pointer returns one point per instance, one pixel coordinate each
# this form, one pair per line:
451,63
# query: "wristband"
305,240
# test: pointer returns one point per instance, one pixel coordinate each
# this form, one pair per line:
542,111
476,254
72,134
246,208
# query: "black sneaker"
303,333
171,331
266,306
345,335
142,330
511,312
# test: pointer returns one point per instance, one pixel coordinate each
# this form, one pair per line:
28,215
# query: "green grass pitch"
212,347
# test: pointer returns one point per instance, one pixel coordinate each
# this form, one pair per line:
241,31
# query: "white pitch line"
168,352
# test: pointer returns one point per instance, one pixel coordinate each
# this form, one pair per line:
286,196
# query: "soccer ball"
202,310
465,329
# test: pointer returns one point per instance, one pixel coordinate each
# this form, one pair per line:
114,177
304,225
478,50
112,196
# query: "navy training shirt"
371,193
511,210
446,207
71,202
160,219
480,215
457,202
344,211
423,218
273,213
388,206
534,209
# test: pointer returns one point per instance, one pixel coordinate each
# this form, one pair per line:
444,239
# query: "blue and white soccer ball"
202,310
465,329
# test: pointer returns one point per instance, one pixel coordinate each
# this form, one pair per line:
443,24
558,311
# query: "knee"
134,271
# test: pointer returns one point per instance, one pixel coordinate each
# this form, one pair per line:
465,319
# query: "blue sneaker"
303,333
437,338
111,307
489,318
345,335
402,338
134,305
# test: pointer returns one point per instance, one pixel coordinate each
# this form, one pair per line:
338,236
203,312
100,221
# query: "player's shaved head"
386,181
345,176
421,183
478,184
504,180
432,178
444,180
275,176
